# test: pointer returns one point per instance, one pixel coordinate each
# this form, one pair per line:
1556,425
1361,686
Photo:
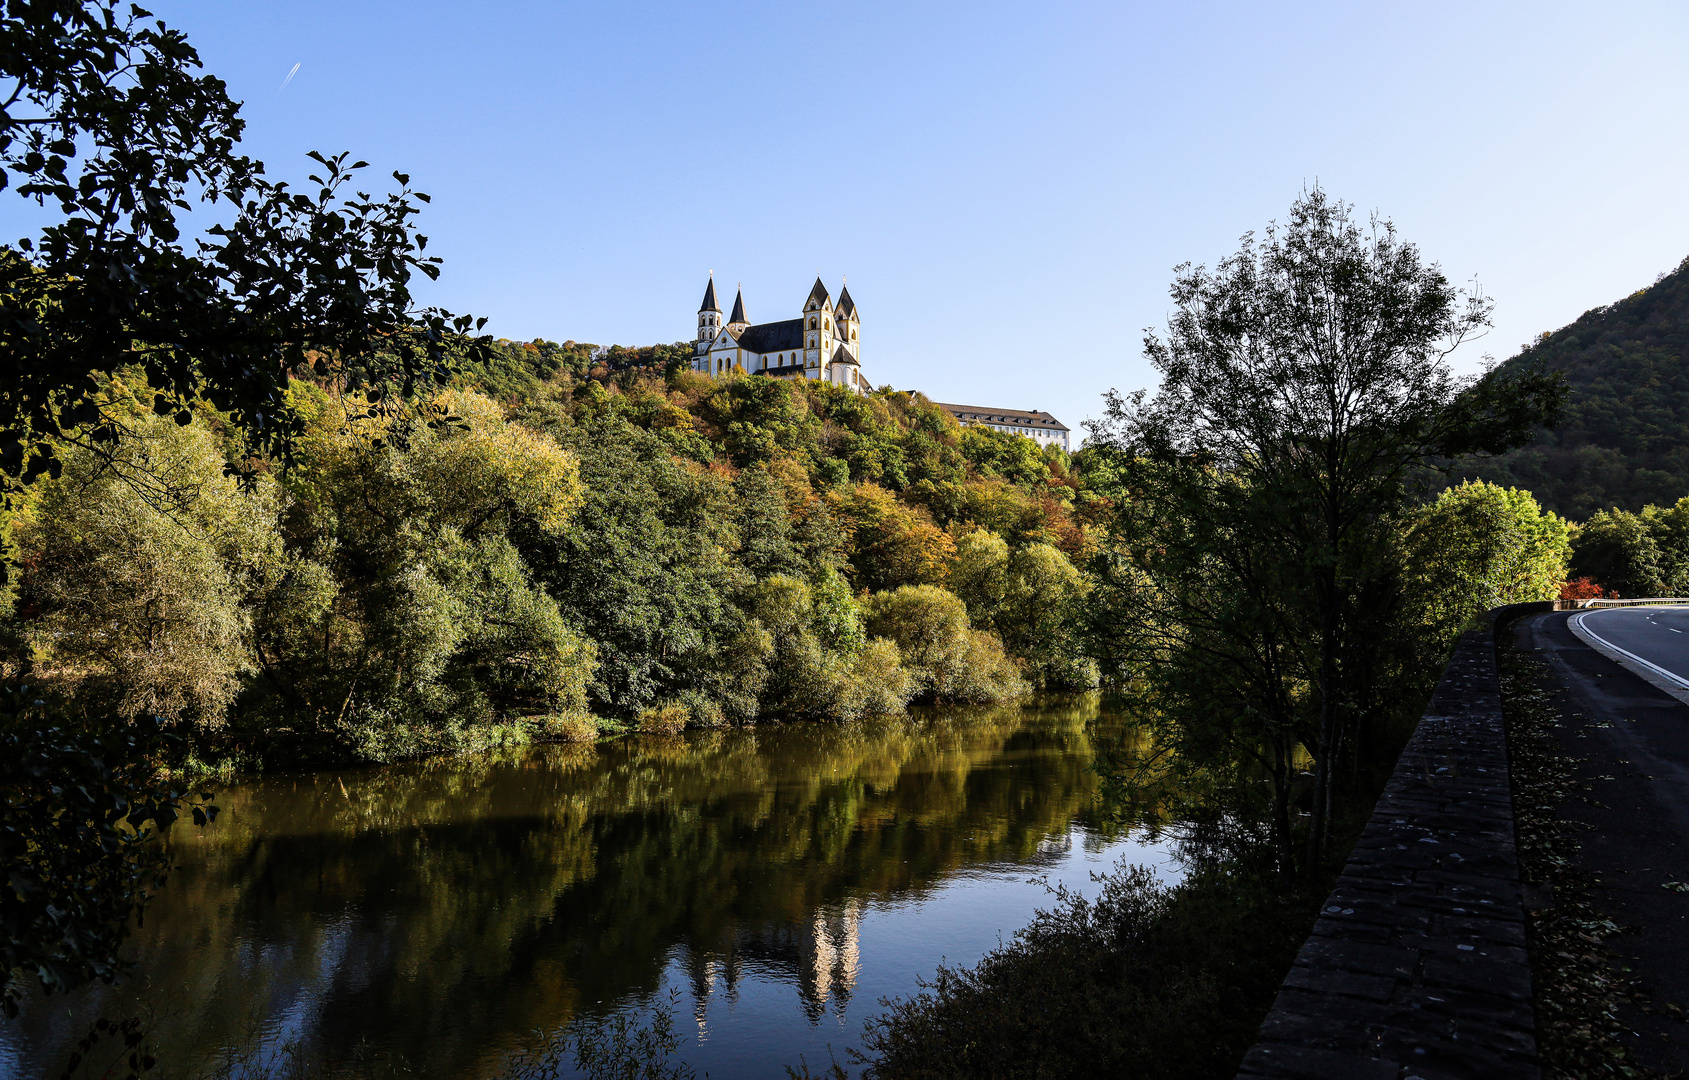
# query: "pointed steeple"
709,303
738,315
847,306
818,295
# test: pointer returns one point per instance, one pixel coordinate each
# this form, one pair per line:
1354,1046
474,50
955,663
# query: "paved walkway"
1634,739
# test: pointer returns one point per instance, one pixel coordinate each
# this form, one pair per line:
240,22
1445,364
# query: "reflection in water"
442,914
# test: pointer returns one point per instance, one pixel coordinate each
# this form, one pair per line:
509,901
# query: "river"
431,919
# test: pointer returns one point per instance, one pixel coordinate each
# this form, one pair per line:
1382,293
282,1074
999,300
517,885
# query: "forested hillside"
1625,438
577,538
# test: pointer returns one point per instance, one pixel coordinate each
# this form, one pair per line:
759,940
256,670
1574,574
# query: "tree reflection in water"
445,911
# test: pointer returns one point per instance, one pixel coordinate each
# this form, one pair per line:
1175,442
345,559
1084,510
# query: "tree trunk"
1283,774
1328,719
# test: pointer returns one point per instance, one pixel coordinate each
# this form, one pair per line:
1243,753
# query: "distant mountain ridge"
1625,438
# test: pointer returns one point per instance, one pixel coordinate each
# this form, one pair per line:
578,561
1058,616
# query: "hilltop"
1625,438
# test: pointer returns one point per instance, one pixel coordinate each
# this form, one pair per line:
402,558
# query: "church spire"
738,315
709,303
817,296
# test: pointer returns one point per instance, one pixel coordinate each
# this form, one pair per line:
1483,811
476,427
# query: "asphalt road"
1659,635
1631,741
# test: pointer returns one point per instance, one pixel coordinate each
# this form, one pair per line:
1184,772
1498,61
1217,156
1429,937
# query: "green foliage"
979,574
999,454
1304,381
645,566
407,588
79,814
1147,980
1033,599
139,564
1624,439
949,659
1479,546
1636,555
892,543
406,613
117,135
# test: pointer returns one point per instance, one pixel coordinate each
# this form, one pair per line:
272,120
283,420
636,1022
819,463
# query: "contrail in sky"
289,78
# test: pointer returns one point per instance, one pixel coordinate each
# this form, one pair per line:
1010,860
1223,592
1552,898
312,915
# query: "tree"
405,613
1302,381
644,567
949,659
1619,550
109,125
77,810
1038,618
1479,546
139,564
892,544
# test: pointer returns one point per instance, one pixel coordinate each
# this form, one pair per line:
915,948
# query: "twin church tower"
819,344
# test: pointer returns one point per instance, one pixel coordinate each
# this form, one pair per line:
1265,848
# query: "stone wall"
1416,966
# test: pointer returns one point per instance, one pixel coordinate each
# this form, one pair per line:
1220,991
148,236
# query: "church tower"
709,317
848,324
736,322
818,331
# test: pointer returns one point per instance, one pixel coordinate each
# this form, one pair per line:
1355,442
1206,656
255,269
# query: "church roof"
773,336
841,355
846,304
979,414
709,303
818,294
738,315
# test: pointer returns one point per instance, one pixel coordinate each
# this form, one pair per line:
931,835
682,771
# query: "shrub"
1147,980
137,560
948,659
668,718
570,726
872,682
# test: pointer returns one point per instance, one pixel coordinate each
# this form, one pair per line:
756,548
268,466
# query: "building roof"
841,355
783,369
847,306
709,303
738,315
818,294
980,414
773,336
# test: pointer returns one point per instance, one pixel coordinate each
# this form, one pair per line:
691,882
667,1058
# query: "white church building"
819,344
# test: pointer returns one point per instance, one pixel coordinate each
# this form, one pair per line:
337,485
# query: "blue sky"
1006,186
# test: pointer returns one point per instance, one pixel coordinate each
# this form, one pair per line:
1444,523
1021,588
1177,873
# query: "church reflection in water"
821,957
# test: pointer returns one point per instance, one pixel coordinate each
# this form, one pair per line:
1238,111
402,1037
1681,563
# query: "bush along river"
445,917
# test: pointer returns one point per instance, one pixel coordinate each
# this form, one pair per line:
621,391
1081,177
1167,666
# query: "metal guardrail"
1574,605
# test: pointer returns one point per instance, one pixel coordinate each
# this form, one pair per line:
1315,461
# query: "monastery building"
822,344
1040,427
819,344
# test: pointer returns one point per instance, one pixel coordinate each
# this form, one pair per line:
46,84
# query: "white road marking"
1669,681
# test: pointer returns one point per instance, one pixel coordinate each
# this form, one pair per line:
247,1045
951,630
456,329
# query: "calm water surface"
433,919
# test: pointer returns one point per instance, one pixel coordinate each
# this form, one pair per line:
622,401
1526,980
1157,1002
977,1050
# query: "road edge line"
1654,675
